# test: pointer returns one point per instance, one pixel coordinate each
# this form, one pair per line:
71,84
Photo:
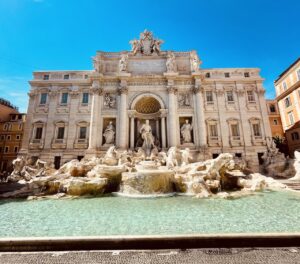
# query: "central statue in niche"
148,138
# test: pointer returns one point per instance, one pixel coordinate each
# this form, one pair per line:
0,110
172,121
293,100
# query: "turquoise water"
264,212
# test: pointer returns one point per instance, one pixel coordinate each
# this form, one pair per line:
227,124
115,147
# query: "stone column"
163,130
74,104
95,113
123,117
132,116
172,116
263,110
200,115
28,127
222,121
50,128
245,132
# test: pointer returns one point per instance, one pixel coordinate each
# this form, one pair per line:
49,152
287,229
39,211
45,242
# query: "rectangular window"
291,117
235,130
64,98
85,98
66,77
246,74
8,137
207,75
43,99
20,126
298,74
295,136
16,149
18,137
6,150
82,133
227,74
46,77
0,150
60,133
287,102
284,86
209,96
2,137
250,96
86,76
213,130
230,96
38,133
256,130
275,122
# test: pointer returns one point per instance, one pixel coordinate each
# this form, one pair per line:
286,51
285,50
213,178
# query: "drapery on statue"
186,132
195,62
146,133
109,133
171,62
123,63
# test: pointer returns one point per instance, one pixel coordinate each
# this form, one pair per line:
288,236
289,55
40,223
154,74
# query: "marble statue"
171,62
185,156
109,133
135,46
123,63
147,136
97,64
156,45
109,101
186,132
171,160
296,166
146,45
195,62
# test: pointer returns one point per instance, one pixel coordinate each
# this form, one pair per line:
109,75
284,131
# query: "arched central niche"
147,105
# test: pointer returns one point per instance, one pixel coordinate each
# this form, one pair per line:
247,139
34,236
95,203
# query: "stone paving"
199,256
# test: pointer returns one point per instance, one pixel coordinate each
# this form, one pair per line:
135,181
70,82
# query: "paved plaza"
199,256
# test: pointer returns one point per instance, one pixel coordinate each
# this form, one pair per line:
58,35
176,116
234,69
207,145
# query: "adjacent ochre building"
288,97
11,133
74,113
275,119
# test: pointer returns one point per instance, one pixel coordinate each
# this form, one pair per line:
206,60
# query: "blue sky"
65,34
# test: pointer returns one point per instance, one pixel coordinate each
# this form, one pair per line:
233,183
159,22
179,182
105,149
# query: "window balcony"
58,144
214,141
81,143
36,144
235,141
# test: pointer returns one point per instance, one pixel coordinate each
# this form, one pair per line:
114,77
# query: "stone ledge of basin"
150,237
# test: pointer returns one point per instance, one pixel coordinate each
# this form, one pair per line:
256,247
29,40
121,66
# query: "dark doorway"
260,159
57,160
80,157
215,155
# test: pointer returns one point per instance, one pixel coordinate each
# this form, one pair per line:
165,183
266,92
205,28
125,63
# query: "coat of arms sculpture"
146,45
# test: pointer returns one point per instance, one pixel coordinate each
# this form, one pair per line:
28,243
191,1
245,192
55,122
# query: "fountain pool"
104,216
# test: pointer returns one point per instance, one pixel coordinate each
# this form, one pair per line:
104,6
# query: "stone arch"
150,96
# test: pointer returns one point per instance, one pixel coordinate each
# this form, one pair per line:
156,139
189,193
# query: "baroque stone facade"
76,113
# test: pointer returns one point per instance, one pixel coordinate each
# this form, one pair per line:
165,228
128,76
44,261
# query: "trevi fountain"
104,195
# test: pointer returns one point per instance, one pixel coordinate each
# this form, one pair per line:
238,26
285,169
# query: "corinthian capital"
197,89
123,90
172,89
97,91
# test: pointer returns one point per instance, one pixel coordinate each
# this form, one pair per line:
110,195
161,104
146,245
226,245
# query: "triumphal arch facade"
146,96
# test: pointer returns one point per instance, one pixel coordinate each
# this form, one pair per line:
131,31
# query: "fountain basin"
147,182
